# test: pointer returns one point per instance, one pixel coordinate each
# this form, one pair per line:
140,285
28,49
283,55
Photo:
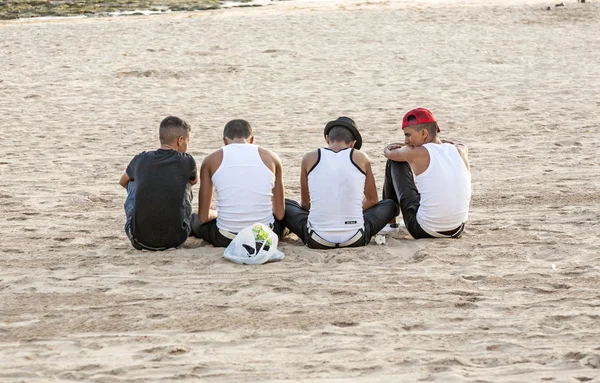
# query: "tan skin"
180,145
413,152
359,158
212,162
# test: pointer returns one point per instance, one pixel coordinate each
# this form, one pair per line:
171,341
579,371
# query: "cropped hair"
171,128
431,127
237,129
340,133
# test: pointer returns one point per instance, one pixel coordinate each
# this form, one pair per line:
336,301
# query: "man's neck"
167,147
337,146
435,140
239,141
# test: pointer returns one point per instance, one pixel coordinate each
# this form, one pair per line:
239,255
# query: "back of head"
171,128
341,134
237,129
343,129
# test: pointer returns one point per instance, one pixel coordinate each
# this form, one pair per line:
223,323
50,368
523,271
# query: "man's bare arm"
308,161
278,199
370,192
361,159
124,180
463,151
206,192
401,154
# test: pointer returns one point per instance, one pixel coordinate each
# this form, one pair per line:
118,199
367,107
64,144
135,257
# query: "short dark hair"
340,133
172,128
237,129
432,127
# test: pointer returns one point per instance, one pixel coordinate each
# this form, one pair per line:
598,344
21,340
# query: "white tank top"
244,185
336,186
445,188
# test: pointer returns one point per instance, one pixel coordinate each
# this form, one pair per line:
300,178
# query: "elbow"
203,218
279,215
203,215
279,209
369,204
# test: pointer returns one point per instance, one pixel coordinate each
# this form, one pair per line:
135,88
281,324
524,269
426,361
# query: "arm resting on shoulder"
399,154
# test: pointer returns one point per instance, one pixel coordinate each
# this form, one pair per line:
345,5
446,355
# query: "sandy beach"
517,299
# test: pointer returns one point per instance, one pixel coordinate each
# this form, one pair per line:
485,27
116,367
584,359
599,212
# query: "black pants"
376,217
399,185
210,232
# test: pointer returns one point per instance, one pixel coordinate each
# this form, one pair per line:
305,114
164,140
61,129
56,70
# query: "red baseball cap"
418,116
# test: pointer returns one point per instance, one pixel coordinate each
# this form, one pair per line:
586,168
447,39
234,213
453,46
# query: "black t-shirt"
162,181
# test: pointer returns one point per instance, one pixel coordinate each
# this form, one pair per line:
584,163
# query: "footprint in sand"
473,278
161,352
63,239
135,282
150,73
344,324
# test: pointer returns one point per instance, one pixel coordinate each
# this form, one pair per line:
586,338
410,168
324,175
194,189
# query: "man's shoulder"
314,152
312,155
187,155
419,150
310,160
359,154
181,156
362,160
269,158
216,153
189,159
269,152
141,156
213,158
416,154
143,153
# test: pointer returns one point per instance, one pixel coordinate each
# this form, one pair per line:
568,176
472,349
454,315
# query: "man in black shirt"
159,190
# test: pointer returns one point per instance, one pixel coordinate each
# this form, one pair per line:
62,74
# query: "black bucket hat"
349,124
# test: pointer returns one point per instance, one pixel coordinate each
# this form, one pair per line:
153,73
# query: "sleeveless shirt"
244,185
445,189
336,186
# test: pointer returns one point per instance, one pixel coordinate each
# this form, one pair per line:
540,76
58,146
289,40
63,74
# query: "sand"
517,299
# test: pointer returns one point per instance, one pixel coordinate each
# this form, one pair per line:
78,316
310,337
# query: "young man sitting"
248,180
429,178
339,205
159,190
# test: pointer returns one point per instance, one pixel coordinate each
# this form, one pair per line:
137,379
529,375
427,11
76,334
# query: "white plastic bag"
254,245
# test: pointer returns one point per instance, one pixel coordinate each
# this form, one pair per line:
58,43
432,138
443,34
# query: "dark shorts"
130,203
220,238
